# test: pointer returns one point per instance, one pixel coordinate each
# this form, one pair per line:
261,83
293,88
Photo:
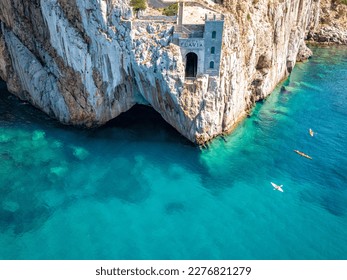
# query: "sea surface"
136,189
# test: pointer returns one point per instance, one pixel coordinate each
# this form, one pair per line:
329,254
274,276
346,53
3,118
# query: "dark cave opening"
140,123
191,65
146,124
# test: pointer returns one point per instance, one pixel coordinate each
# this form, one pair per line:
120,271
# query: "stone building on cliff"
200,44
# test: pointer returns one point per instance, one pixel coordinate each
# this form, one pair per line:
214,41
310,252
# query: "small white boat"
311,132
277,187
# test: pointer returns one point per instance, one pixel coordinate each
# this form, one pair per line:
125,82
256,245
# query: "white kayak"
277,187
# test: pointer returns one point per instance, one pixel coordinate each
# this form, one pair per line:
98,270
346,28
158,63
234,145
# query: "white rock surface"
84,61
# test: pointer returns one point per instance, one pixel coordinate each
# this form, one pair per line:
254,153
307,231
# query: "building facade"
201,45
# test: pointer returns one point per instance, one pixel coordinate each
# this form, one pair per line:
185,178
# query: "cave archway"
141,123
191,65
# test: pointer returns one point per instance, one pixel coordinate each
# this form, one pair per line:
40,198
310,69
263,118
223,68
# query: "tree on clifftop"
138,5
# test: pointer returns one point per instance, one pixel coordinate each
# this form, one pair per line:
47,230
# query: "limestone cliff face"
332,24
262,42
86,61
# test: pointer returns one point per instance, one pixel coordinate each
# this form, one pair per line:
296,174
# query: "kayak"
277,187
302,154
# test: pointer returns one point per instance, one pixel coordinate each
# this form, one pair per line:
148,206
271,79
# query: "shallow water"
136,189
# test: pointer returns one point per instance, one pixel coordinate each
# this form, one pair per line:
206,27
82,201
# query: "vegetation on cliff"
171,10
138,5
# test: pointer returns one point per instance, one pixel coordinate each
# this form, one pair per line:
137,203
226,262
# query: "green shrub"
138,5
337,2
171,10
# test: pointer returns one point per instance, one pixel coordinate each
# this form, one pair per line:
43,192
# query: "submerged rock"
80,153
59,171
5,138
10,206
38,135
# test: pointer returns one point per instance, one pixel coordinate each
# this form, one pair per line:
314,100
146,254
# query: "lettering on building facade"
192,43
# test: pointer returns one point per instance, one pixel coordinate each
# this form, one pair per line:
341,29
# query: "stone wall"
158,18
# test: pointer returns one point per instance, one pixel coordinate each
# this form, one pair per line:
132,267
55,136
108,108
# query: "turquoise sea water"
135,189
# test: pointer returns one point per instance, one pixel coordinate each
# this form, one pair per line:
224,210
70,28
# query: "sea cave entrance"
143,124
191,65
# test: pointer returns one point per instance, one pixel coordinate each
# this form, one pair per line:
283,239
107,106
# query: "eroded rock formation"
85,62
332,25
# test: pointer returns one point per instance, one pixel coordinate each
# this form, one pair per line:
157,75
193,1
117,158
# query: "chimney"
180,15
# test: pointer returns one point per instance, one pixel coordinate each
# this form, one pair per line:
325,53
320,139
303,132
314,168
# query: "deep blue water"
136,189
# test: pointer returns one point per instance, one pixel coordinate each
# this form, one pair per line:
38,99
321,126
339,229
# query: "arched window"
212,64
214,34
212,50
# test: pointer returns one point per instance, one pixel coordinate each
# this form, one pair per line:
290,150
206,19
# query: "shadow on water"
144,124
140,123
24,219
140,133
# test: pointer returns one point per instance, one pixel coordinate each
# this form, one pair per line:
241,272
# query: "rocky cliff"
85,62
332,25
